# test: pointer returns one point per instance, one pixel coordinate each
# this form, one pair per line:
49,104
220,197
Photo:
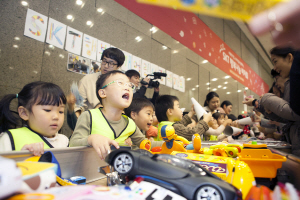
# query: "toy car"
178,175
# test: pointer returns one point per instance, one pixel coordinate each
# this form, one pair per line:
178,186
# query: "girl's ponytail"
8,118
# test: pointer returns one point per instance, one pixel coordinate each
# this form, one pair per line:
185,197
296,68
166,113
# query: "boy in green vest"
101,128
168,112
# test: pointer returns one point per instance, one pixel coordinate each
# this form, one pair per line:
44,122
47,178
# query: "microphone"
159,74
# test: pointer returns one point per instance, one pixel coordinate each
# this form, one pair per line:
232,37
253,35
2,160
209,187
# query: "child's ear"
170,112
133,115
23,113
102,93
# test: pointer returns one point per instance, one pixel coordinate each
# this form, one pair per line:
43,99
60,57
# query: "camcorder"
152,83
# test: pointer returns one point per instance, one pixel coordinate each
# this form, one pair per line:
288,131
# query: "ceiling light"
69,17
24,3
177,42
100,10
62,56
51,46
197,85
15,46
138,38
226,82
164,47
214,79
47,52
79,2
224,88
226,77
219,86
153,29
17,38
227,92
239,90
175,51
208,88
215,89
246,88
89,23
207,83
188,79
205,61
193,89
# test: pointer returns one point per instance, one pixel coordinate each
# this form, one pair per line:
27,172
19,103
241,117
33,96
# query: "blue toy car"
178,175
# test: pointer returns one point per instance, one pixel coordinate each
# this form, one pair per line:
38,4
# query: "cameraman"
134,77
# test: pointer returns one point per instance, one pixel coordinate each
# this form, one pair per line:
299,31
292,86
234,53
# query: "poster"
101,47
163,79
146,68
154,68
89,47
169,78
128,61
35,25
181,84
136,63
56,33
78,64
94,67
175,81
73,41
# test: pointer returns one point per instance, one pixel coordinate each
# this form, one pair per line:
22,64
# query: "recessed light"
79,2
226,77
99,10
193,89
205,61
15,46
188,79
215,89
177,42
197,85
227,92
51,46
208,88
24,3
246,88
153,29
219,86
138,38
17,38
239,90
214,79
47,52
70,17
226,82
175,51
164,47
89,23
207,83
62,56
224,88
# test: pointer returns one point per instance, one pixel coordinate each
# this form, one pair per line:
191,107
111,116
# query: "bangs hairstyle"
137,105
226,103
282,52
130,73
217,115
41,93
101,80
163,103
115,54
209,96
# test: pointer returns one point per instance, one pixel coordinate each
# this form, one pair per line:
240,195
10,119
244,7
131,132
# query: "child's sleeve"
5,144
217,131
138,137
152,132
82,131
186,120
187,132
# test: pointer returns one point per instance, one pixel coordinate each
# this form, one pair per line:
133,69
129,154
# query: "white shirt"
58,141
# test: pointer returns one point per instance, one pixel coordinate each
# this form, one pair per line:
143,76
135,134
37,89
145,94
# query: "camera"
152,83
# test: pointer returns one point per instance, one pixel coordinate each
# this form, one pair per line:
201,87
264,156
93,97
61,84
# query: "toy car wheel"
123,163
208,192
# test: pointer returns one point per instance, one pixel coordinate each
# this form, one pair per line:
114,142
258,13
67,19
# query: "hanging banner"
190,31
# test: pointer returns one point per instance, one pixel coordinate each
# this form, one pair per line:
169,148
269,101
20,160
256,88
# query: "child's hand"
227,121
36,149
128,141
192,112
207,117
71,100
235,123
101,144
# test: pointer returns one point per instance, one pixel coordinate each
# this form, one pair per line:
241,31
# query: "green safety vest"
21,136
159,128
100,125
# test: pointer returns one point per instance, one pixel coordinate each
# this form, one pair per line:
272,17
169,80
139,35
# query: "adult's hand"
147,80
248,101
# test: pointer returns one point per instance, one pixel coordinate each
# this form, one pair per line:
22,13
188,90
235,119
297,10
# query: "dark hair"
115,54
232,117
101,80
163,103
282,52
96,67
217,115
137,105
226,102
39,93
271,89
209,96
274,73
130,73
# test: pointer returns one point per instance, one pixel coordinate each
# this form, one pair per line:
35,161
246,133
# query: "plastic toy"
262,161
178,175
234,172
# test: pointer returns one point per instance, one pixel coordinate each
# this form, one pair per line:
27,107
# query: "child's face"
144,118
117,96
221,120
177,113
155,121
46,119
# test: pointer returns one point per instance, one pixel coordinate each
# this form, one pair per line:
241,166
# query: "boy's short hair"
163,103
130,73
115,54
101,80
137,105
217,115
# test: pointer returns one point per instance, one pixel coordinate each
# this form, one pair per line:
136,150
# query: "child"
217,126
168,112
101,128
152,132
41,105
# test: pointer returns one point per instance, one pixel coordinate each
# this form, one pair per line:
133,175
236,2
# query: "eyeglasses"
121,83
110,64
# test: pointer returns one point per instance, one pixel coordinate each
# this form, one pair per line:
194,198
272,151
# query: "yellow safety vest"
100,125
158,138
21,136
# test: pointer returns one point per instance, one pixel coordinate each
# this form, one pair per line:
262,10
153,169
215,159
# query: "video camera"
152,83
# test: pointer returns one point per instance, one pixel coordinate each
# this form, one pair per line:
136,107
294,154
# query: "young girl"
217,126
41,106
